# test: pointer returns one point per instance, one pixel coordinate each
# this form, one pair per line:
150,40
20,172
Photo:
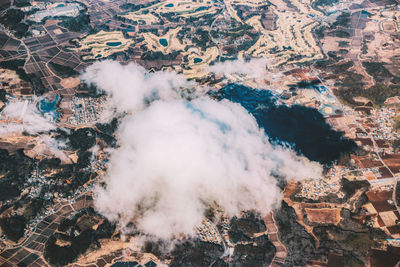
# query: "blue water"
365,14
50,107
125,264
197,60
304,128
113,44
169,5
60,5
163,42
201,8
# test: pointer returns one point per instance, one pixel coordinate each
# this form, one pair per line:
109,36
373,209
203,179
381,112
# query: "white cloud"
24,116
177,157
47,144
131,87
254,68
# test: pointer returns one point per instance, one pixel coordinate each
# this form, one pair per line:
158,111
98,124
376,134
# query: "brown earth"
70,82
329,216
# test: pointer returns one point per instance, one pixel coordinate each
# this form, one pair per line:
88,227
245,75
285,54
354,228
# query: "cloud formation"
47,144
177,158
130,88
24,116
255,68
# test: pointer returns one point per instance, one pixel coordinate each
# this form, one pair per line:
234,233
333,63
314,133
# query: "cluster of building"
208,232
225,227
36,181
99,164
85,110
384,118
316,189
376,134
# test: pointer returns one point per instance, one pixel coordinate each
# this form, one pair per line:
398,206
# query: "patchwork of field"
368,34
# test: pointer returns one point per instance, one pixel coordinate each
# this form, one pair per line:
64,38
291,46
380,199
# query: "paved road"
211,37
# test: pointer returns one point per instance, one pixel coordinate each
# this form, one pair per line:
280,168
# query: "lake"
50,107
163,42
304,128
113,44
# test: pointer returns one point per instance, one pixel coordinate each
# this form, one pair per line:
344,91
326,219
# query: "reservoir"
113,44
202,8
163,42
50,107
303,128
